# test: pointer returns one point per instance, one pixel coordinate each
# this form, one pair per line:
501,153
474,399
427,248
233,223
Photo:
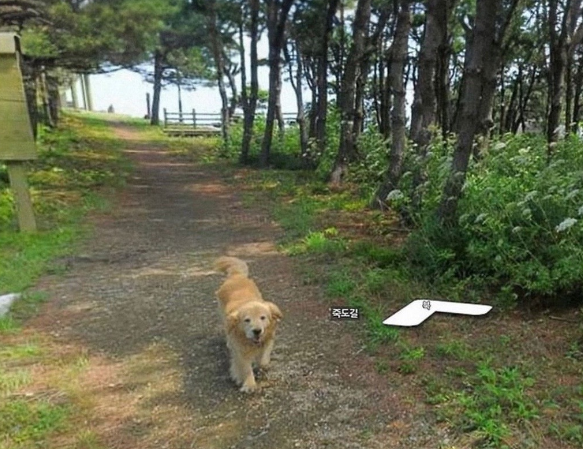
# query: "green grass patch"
492,403
21,351
11,381
25,423
455,349
24,307
79,163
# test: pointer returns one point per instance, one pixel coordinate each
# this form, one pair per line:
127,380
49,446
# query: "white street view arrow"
421,309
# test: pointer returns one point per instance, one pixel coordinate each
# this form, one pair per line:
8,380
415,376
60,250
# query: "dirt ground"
139,299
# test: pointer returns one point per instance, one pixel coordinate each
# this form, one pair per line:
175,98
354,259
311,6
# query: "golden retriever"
249,322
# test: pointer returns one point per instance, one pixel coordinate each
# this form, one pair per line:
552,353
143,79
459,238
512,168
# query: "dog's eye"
262,317
247,320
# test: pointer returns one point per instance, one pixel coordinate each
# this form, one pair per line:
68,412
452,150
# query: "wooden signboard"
16,137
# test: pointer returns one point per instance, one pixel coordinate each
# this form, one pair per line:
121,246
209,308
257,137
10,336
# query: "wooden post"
194,118
148,105
24,210
16,134
165,119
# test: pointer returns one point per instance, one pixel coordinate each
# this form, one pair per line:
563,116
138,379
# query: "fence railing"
194,123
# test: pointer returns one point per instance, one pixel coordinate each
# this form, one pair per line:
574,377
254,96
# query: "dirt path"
144,280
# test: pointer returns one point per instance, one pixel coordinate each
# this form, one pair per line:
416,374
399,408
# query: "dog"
249,322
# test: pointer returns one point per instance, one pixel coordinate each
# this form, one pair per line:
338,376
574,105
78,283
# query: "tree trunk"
249,119
398,114
364,69
158,73
244,96
442,86
44,97
568,96
424,109
276,20
278,111
217,51
509,116
54,97
524,98
322,77
385,96
346,150
483,62
313,111
234,101
560,41
296,82
577,97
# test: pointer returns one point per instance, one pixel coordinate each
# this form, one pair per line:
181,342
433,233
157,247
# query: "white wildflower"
394,195
572,194
516,229
530,195
480,218
565,224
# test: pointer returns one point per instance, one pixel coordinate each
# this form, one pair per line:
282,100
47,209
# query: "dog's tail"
231,266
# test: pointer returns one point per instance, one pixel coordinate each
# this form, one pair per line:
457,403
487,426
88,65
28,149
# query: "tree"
293,55
424,109
250,102
562,43
321,110
483,59
277,14
398,55
346,99
176,49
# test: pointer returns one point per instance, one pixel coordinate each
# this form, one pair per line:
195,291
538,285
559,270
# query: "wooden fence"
204,123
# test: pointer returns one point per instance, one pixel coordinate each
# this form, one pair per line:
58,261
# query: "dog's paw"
249,388
264,365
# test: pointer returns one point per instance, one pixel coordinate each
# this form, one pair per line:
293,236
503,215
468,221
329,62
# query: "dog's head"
255,319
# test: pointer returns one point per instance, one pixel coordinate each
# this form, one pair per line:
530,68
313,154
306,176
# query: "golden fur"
249,322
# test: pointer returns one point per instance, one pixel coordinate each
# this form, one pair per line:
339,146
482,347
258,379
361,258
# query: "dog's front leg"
265,356
242,373
246,370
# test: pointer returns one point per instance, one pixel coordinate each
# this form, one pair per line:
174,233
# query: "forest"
461,118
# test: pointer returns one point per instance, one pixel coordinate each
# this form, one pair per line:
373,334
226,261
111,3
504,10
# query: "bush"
285,152
519,226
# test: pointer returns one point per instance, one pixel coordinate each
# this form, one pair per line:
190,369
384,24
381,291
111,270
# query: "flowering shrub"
520,225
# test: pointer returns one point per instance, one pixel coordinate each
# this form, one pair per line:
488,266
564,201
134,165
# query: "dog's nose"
257,332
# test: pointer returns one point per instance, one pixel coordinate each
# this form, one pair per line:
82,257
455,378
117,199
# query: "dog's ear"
275,312
232,319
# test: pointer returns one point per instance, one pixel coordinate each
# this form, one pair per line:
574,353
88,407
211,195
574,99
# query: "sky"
126,92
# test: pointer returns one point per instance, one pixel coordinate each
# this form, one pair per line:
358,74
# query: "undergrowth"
487,389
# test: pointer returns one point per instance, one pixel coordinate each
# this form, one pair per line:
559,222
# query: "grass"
79,164
25,422
488,387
